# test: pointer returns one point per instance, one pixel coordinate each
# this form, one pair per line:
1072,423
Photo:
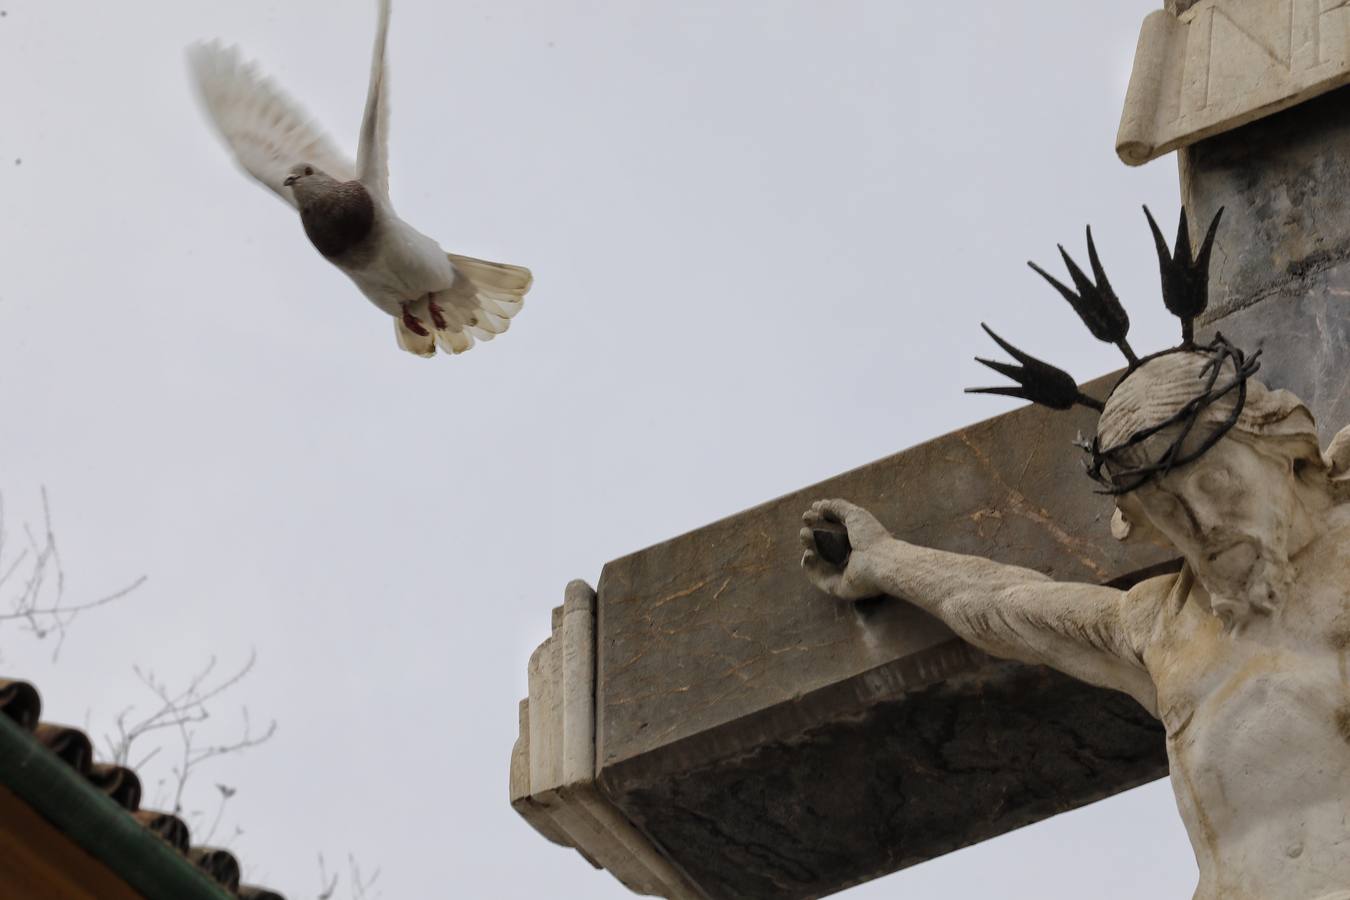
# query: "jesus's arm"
1090,632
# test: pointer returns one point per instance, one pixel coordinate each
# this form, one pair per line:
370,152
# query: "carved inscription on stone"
1224,63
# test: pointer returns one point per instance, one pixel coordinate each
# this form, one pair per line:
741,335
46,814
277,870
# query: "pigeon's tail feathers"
502,284
495,275
267,131
480,303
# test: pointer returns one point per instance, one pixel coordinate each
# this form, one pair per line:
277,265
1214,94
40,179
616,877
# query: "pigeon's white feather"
454,342
372,155
267,131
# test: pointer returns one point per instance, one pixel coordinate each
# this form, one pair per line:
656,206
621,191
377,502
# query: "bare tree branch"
184,711
33,583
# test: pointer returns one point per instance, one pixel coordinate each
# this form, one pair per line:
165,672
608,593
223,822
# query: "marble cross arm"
1093,633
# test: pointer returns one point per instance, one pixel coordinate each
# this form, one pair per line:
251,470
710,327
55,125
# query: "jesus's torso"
1258,731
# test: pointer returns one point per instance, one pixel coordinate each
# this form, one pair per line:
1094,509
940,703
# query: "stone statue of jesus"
1244,654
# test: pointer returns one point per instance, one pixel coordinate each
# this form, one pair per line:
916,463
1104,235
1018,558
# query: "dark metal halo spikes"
1185,290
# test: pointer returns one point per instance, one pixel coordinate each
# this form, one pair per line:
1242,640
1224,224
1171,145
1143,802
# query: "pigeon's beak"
290,180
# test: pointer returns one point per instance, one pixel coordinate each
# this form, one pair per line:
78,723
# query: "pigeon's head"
304,172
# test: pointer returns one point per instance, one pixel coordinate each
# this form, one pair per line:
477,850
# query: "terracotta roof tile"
118,782
219,864
71,744
20,701
166,825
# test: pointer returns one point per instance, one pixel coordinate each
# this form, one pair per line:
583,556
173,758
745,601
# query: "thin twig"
361,886
35,581
327,885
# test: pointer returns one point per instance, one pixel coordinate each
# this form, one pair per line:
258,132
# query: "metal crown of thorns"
1185,290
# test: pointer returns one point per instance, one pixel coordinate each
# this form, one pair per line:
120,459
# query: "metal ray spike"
1185,280
1037,381
1094,300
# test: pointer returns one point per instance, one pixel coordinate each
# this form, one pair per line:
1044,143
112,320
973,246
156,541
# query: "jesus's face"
1231,514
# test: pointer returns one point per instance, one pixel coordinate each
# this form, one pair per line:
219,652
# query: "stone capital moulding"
553,783
1221,64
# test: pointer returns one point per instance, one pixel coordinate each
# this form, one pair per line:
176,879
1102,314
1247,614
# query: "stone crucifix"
1244,655
706,726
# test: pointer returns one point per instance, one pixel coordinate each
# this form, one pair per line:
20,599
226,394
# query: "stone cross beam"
706,725
754,739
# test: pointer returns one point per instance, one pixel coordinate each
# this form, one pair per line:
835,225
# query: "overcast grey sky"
763,236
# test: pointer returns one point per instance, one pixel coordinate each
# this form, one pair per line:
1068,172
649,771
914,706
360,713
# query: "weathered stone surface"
727,686
552,773
1208,67
719,624
1282,259
865,790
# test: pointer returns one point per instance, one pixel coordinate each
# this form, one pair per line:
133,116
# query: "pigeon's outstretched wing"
267,131
372,155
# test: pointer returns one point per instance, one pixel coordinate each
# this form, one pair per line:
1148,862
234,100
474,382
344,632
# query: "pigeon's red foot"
414,324
437,315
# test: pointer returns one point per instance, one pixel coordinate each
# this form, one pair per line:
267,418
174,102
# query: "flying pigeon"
434,297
